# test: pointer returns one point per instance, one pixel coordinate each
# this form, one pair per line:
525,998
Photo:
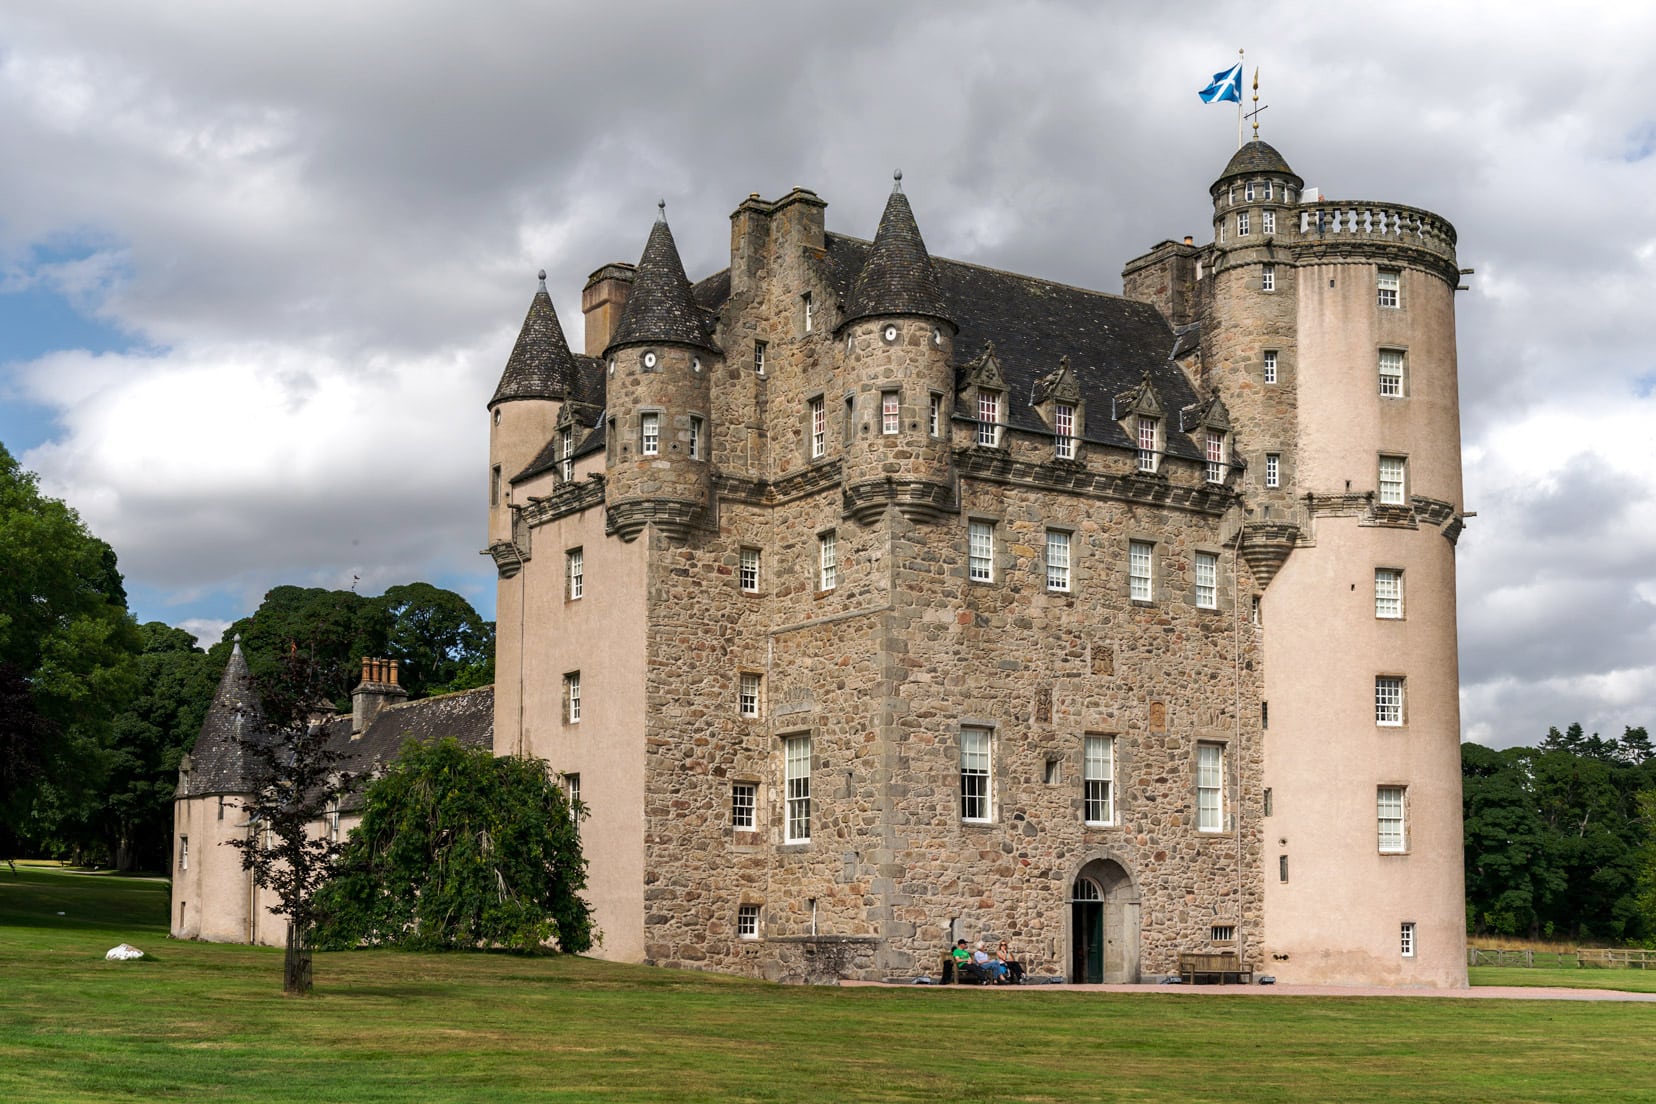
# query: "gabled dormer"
1208,424
1057,399
984,387
1142,416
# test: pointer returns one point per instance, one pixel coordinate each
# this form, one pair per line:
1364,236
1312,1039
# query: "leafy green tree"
459,849
1647,865
176,681
438,639
334,629
295,780
66,636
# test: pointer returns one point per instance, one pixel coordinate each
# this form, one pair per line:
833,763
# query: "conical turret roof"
218,763
661,307
897,277
541,365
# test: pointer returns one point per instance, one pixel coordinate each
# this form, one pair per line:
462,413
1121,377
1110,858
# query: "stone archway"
1104,924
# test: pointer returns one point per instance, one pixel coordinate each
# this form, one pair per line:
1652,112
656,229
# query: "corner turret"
658,366
539,376
898,338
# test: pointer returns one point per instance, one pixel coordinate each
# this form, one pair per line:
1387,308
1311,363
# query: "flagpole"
1241,54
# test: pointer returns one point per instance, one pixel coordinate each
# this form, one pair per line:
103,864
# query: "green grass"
1570,977
205,1021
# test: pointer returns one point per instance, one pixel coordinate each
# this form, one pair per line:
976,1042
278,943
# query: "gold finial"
1256,103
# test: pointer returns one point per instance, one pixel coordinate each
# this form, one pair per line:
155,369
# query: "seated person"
1014,968
959,958
995,971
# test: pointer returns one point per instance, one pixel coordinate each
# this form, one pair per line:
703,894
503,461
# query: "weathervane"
1254,114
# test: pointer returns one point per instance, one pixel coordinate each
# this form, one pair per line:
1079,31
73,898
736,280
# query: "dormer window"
566,450
1149,443
1215,452
1063,429
989,417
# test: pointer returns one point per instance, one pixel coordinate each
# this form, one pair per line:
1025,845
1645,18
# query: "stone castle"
869,600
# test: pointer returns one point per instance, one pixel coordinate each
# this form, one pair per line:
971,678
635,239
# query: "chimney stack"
377,690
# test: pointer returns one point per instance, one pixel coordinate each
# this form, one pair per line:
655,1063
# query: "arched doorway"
1104,925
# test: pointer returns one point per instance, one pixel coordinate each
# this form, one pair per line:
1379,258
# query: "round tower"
897,340
1330,329
658,368
523,412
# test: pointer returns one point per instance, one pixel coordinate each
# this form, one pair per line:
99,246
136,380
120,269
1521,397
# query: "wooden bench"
949,975
1214,968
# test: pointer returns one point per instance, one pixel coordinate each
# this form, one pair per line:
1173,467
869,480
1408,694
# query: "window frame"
816,425
1398,495
1141,585
1390,701
1058,558
989,430
750,689
1267,222
1147,432
796,788
1407,938
827,560
1273,470
572,697
1204,562
749,563
574,573
1267,274
980,551
1063,431
649,433
747,922
810,314
698,433
1270,365
566,461
1388,594
1098,793
1388,288
183,852
1210,787
759,350
1243,227
935,413
977,797
744,806
1213,451
1396,379
891,413
1392,831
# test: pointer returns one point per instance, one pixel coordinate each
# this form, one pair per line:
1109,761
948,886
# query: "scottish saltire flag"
1225,86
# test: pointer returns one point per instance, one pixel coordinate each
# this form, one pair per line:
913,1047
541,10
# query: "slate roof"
1256,157
218,761
660,306
541,366
897,276
467,716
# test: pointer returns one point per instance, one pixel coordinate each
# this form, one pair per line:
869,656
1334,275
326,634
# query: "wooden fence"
1600,958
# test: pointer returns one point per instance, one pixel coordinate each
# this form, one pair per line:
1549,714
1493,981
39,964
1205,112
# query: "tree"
1647,863
460,849
65,636
438,638
294,781
334,628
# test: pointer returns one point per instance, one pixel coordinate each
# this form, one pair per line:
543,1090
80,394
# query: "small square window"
744,805
747,572
1222,933
1388,286
747,921
981,539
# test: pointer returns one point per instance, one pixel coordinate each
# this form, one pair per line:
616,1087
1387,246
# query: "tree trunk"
296,964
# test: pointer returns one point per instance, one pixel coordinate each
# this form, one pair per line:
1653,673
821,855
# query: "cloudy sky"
261,264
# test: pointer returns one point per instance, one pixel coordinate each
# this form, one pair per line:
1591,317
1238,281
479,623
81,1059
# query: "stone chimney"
377,690
602,301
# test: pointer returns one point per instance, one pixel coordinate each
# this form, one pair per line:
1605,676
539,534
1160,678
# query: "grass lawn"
1572,977
204,1021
